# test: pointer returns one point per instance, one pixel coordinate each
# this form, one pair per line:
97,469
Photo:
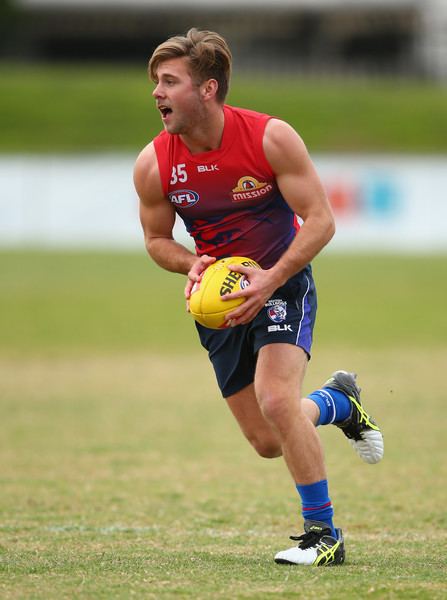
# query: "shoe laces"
309,539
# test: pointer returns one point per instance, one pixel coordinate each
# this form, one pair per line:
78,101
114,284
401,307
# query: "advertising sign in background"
381,203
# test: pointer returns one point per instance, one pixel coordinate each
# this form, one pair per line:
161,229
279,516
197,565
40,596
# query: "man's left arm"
301,188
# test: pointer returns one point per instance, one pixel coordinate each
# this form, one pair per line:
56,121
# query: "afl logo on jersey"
249,188
184,198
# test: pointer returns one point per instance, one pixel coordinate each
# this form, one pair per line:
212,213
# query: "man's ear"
209,89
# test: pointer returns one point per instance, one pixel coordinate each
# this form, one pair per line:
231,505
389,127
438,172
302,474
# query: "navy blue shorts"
287,317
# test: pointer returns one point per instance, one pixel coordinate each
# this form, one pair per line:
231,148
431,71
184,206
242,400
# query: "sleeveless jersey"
228,198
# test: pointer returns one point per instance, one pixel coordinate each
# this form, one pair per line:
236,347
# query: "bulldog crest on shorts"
276,310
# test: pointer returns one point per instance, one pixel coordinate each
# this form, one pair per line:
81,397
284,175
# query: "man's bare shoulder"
146,173
282,143
281,133
146,160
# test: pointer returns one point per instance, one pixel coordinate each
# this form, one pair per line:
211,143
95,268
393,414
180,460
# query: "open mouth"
165,111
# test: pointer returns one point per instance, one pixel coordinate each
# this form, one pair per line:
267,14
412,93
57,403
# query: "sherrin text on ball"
206,304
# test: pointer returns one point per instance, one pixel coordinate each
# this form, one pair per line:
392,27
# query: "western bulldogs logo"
277,310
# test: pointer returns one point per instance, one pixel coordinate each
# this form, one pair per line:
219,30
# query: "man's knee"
275,406
266,448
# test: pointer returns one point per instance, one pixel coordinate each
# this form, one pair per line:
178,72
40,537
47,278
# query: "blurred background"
364,82
116,453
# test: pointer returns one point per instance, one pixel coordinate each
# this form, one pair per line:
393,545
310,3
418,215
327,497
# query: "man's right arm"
157,217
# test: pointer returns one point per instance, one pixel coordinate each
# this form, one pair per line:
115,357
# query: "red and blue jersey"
228,198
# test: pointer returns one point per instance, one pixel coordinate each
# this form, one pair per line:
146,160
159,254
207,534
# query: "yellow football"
206,304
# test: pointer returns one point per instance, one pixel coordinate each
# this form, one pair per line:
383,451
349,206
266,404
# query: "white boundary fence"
382,203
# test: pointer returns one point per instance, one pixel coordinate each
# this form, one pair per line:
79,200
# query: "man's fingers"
242,314
234,295
242,269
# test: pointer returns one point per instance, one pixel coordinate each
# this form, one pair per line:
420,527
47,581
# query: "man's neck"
207,135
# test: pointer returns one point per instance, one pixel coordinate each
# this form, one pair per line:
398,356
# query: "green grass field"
123,474
72,109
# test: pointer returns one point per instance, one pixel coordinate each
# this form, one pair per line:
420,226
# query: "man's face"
177,96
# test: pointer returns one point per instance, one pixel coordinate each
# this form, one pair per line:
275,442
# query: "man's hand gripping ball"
210,301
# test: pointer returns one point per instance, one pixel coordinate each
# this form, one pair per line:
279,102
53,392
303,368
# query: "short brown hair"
208,53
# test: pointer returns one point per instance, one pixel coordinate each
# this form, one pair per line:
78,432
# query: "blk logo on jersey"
207,168
277,310
249,188
184,198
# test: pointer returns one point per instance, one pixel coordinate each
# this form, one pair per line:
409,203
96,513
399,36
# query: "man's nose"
157,93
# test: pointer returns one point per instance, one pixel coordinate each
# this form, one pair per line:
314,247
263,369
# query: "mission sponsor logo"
249,188
184,198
